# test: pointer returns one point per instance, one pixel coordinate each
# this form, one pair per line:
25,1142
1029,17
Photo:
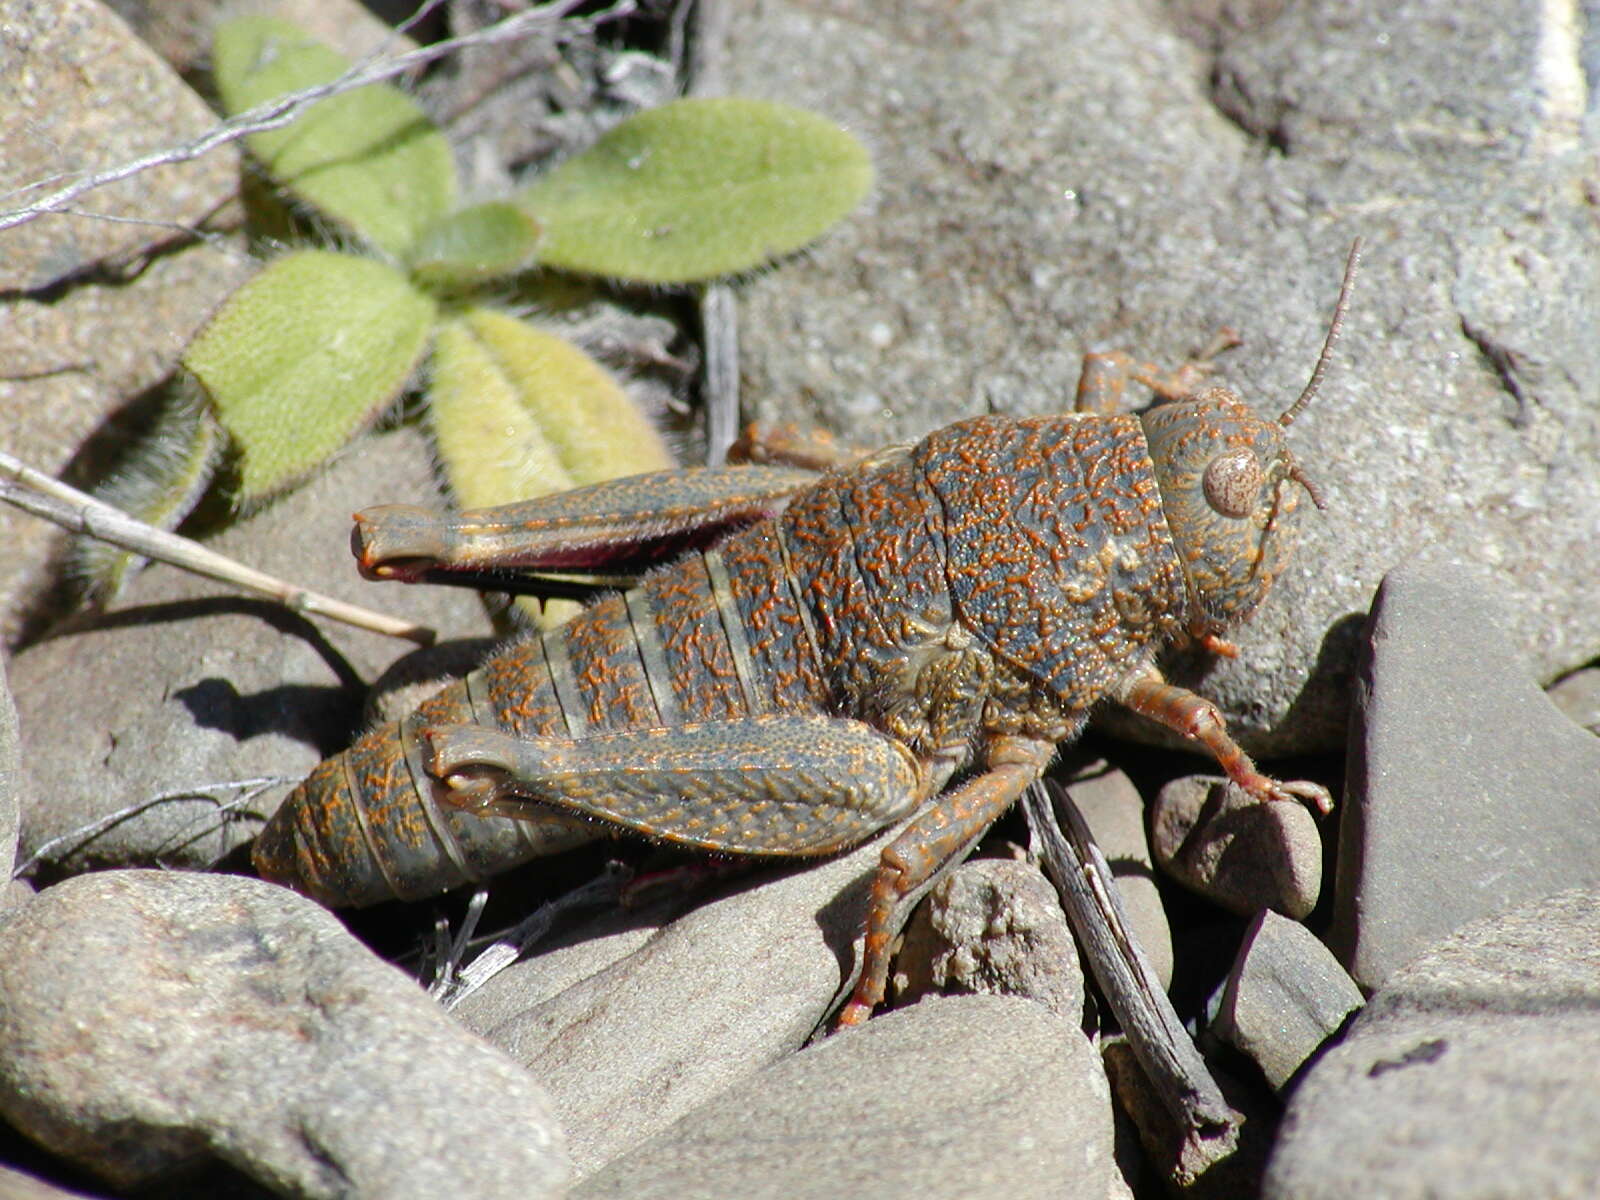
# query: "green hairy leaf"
475,245
493,448
368,159
696,189
304,356
160,480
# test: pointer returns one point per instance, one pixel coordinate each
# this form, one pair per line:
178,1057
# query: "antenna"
1352,264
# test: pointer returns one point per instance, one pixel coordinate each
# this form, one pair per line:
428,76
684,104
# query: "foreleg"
1180,710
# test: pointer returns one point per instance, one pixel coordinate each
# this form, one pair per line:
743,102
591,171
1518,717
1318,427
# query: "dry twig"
37,493
286,108
1209,1125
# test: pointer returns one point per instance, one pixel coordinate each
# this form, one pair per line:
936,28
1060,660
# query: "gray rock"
994,927
1467,791
566,961
93,312
14,895
15,1185
1284,998
958,1096
1470,1074
727,989
63,117
1458,411
1237,851
10,779
182,688
1578,696
151,1018
1114,811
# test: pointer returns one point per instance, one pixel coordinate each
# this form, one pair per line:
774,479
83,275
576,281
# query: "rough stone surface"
181,30
1470,1073
1578,695
1285,996
1114,811
1467,791
78,90
150,1018
957,1096
710,999
15,1185
1237,851
93,312
10,779
182,686
1180,168
567,960
992,926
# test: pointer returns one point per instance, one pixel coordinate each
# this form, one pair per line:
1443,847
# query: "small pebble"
1285,997
1242,853
993,926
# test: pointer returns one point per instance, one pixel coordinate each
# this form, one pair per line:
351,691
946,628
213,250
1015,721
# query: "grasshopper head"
1231,488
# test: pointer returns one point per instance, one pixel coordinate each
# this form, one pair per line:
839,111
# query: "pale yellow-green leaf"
598,433
161,478
518,413
368,159
304,356
486,241
696,189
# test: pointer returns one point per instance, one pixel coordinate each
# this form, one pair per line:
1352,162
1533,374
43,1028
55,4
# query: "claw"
1294,791
1305,792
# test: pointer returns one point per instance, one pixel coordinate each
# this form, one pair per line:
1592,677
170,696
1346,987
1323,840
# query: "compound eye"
1232,482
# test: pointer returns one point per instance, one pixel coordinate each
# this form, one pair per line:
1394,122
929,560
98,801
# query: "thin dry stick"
37,493
1174,1067
286,108
247,789
455,982
719,310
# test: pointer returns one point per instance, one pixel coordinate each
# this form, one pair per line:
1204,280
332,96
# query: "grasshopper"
811,659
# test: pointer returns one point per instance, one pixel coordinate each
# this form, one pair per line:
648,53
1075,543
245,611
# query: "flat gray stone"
1284,998
1239,852
1115,813
954,1097
1467,791
1470,1073
183,687
995,927
149,1019
730,987
567,960
1178,169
